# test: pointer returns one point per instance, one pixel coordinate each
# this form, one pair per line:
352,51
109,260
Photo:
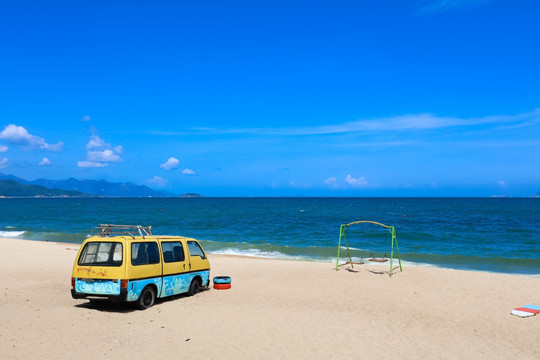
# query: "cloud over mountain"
19,136
170,164
100,153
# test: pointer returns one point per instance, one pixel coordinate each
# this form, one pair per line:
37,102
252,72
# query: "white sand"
276,309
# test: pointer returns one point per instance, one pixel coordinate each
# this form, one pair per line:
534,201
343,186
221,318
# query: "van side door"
175,268
144,268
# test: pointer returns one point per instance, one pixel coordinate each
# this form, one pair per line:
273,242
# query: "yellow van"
128,263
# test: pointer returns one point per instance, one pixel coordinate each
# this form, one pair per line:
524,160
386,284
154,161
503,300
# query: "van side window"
172,251
195,249
144,253
101,254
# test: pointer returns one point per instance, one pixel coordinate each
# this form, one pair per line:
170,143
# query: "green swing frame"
342,235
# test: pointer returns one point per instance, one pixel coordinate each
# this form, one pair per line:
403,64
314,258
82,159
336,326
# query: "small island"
191,195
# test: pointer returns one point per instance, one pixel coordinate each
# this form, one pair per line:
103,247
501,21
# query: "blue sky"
275,98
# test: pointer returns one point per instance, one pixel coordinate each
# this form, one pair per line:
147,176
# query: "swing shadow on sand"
376,272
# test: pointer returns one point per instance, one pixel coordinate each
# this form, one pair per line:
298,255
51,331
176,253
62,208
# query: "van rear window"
101,254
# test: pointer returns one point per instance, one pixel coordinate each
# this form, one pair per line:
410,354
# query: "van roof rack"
110,230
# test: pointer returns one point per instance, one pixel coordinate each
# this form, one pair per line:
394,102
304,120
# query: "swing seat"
381,260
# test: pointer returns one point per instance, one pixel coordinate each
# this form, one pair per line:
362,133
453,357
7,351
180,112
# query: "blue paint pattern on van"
137,286
171,285
179,284
98,287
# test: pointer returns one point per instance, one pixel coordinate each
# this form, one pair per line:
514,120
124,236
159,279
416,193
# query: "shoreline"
284,257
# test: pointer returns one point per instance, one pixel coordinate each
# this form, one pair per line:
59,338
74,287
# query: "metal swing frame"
342,235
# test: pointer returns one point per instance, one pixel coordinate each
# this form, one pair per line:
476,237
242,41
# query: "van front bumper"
121,297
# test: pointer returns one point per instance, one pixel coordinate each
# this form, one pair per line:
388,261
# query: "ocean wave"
11,234
279,255
354,248
258,253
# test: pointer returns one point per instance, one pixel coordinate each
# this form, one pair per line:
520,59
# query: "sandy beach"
276,309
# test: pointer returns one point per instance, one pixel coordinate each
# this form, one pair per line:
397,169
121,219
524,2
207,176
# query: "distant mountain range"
74,187
10,188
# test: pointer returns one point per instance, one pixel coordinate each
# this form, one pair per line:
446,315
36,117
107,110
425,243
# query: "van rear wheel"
195,287
147,298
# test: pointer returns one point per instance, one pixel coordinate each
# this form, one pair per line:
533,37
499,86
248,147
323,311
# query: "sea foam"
257,253
11,234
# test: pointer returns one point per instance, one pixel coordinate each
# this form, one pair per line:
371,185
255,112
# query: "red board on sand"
527,310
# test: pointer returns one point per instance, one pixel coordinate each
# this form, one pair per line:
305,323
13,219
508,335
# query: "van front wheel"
194,288
147,298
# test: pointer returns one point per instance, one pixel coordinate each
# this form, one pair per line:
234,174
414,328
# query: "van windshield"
195,249
101,254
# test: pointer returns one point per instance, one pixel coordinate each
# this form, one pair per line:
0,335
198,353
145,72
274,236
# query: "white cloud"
44,161
96,142
55,147
501,183
188,172
356,182
18,135
3,148
99,153
331,181
3,162
157,181
85,118
103,156
91,164
396,123
170,164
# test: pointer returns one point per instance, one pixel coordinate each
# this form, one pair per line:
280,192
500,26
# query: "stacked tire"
222,282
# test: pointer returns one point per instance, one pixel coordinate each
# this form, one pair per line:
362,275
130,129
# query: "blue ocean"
485,234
